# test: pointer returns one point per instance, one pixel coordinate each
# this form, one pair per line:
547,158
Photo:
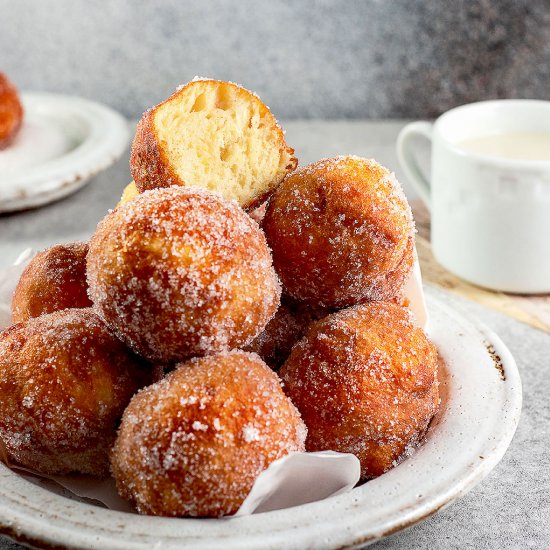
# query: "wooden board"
532,310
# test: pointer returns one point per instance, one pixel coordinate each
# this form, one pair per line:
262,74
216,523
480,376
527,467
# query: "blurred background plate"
63,142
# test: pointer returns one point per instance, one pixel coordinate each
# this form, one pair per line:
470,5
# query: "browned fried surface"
365,381
391,285
339,230
64,383
149,165
274,343
182,272
194,443
55,279
11,111
284,329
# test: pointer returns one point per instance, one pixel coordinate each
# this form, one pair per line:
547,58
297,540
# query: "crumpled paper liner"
295,479
8,281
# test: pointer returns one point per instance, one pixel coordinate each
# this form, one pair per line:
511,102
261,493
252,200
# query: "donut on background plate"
11,112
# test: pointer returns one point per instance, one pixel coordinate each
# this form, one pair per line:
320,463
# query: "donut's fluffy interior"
219,137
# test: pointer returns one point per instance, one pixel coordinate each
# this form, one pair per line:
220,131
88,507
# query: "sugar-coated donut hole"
182,272
64,384
365,381
340,231
194,443
54,279
213,135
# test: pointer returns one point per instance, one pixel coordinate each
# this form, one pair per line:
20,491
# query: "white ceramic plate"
63,142
480,410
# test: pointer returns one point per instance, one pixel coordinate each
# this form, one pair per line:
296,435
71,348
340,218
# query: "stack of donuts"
230,310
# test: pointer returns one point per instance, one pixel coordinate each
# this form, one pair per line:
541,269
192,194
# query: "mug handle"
408,160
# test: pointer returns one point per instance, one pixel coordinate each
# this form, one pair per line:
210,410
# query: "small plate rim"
107,139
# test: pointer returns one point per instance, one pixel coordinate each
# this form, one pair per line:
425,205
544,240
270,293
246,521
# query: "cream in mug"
514,145
488,191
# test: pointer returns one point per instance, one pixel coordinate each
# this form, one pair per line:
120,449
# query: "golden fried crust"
182,272
365,381
274,343
11,111
284,329
391,285
151,166
64,383
340,231
55,279
194,443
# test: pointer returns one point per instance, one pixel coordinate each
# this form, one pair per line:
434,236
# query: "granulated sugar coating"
339,230
182,272
64,383
194,443
365,381
274,343
55,279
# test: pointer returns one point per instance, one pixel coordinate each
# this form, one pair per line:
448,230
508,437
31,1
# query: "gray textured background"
331,59
339,59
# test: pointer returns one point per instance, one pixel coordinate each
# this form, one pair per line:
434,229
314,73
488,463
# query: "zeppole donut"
341,232
215,135
182,272
64,384
365,382
194,443
54,279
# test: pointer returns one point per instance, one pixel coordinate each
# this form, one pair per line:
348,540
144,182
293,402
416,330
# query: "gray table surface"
509,509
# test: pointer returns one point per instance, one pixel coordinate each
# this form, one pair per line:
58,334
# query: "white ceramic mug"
490,215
